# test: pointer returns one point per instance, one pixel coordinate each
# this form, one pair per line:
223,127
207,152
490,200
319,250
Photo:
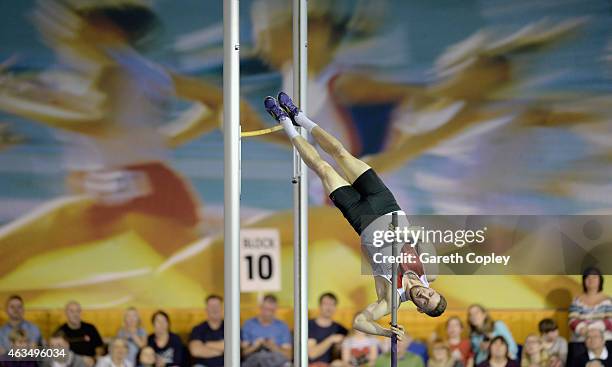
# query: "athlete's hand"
397,330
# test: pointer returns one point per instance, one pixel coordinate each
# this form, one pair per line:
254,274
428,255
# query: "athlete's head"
428,300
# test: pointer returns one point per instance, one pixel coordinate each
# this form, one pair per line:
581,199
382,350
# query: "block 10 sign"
260,260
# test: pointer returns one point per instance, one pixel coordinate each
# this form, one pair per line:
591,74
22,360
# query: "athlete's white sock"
289,128
305,122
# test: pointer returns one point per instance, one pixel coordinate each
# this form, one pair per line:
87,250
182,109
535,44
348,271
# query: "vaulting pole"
394,300
300,193
231,179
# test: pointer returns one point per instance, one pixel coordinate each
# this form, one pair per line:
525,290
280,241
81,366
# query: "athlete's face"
426,299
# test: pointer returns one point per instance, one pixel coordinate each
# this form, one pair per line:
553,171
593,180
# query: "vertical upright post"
394,300
300,193
231,179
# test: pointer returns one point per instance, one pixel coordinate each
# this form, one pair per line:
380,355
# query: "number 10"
264,266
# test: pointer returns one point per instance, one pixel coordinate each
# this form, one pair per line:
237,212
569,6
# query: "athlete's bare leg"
328,175
351,166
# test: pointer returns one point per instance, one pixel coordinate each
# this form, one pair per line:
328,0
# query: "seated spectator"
15,312
167,345
118,355
416,347
359,349
460,348
18,339
597,350
554,361
483,329
147,357
552,342
67,358
590,309
534,354
133,333
206,343
266,341
404,357
498,354
83,337
441,356
325,336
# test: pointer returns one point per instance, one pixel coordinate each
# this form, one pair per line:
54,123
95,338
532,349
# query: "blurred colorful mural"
111,159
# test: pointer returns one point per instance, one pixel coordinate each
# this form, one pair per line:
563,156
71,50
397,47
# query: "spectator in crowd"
483,329
416,347
166,344
404,357
83,337
359,349
147,357
325,336
534,354
597,353
461,348
498,354
15,311
206,343
132,332
266,341
441,356
118,355
555,361
18,340
66,358
552,342
590,309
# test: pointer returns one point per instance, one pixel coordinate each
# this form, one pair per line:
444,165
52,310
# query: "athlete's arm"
366,320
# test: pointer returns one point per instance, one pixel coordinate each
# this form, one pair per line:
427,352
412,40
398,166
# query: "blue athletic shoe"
287,104
273,109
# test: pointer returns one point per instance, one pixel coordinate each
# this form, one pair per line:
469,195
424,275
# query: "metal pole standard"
231,180
394,253
300,193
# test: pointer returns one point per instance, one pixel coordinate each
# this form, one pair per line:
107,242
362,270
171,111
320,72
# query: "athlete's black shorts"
365,200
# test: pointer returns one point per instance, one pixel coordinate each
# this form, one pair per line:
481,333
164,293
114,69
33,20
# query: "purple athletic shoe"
273,109
287,104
